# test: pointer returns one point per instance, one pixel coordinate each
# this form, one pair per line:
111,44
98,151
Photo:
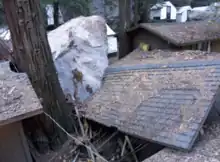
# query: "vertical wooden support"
125,23
13,145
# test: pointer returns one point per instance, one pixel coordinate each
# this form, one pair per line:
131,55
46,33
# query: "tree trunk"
56,13
144,10
136,12
31,53
125,23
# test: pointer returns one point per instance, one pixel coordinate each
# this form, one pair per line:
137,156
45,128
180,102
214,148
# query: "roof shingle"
18,100
207,149
184,33
163,103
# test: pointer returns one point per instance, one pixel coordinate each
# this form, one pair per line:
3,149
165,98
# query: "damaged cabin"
18,101
163,97
200,35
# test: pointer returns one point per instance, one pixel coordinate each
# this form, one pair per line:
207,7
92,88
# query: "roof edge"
168,39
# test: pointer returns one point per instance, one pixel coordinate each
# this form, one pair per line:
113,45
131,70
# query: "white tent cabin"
50,11
163,11
183,13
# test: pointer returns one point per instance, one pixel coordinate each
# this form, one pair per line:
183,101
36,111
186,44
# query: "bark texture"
32,55
56,13
125,23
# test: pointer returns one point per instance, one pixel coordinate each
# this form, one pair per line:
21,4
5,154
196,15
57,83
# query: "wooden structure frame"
18,101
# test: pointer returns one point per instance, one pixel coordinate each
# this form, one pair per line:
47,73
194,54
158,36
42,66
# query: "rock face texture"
210,13
79,50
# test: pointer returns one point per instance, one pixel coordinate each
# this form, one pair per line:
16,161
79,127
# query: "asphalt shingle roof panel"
139,57
184,33
163,103
206,149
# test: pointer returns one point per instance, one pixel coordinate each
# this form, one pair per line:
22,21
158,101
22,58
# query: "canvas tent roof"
161,5
163,103
110,32
183,33
183,8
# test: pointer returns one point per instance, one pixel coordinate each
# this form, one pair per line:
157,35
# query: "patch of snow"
160,5
112,45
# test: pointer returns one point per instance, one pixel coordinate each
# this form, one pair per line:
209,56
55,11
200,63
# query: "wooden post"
32,54
125,23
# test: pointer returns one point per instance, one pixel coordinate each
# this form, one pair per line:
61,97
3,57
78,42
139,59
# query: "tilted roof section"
186,33
139,57
18,100
163,103
183,8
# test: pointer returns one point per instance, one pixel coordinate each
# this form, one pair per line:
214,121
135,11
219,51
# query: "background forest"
105,8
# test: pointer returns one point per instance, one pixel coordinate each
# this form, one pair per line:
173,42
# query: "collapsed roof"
166,103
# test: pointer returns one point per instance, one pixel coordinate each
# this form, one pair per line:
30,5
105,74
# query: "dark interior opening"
156,18
14,67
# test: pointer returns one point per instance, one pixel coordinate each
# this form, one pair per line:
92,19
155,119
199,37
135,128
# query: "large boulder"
211,13
79,49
